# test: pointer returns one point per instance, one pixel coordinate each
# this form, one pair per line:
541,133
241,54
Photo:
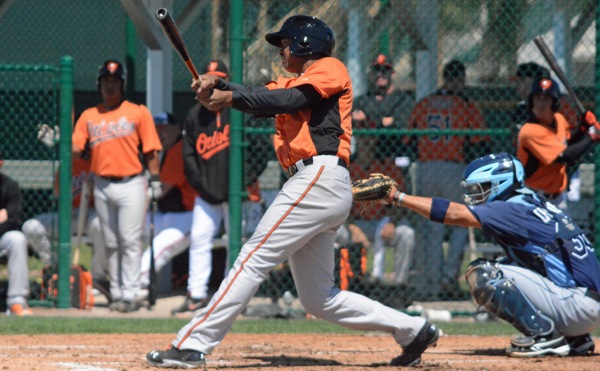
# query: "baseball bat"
152,286
82,217
167,23
541,44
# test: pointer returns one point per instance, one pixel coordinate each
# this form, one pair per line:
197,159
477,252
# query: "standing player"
441,159
116,130
546,144
13,245
312,142
173,219
547,285
206,163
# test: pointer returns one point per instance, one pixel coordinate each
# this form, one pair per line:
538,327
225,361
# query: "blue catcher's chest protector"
539,236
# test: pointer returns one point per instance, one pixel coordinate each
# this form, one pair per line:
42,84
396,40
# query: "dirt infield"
270,352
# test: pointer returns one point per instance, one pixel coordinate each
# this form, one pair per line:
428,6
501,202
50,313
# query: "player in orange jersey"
116,131
547,144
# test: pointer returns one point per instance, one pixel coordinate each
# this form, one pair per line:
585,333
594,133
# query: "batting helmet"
492,177
309,35
545,86
111,68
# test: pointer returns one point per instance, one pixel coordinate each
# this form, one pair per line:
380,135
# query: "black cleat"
175,358
582,345
411,354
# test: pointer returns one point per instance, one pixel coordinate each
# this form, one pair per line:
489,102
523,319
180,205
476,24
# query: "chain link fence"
412,44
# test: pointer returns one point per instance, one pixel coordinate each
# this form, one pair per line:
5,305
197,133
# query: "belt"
592,295
119,178
309,161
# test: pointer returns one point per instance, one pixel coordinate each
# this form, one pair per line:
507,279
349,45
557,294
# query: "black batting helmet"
309,35
111,68
545,86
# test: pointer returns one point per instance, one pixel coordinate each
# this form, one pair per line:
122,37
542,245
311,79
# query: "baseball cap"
380,65
454,69
164,118
218,68
532,70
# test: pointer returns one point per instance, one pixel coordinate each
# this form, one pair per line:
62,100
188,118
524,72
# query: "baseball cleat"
175,358
411,354
19,310
525,346
582,345
190,305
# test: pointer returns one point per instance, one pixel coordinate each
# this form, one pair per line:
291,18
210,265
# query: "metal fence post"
65,174
235,156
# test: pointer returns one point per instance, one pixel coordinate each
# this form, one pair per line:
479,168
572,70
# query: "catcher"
547,284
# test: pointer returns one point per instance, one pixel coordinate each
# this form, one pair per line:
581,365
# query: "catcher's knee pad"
501,297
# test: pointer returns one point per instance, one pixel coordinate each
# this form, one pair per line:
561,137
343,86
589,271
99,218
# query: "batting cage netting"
401,55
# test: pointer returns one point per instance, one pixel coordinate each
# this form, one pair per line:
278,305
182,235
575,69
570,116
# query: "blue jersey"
537,235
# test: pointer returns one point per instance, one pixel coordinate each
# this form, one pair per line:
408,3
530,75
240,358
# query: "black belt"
309,161
119,178
592,295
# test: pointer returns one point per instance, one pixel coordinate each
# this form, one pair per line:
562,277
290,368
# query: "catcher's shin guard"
501,297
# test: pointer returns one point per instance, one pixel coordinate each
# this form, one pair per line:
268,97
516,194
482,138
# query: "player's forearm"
152,163
435,209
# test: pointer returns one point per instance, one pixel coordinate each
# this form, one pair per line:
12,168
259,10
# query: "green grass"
63,325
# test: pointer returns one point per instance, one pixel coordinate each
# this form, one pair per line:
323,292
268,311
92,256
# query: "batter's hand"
154,189
204,86
218,100
588,120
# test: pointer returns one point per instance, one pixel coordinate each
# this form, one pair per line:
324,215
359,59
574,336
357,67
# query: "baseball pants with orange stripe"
300,225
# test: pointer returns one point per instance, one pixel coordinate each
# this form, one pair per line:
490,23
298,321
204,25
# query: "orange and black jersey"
312,111
206,152
545,152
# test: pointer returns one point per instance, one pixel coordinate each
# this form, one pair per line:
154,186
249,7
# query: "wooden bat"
82,217
152,286
167,23
541,44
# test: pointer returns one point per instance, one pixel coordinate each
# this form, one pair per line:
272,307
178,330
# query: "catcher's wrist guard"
439,207
398,198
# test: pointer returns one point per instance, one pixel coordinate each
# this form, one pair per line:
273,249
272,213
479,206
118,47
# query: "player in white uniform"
312,142
13,245
547,285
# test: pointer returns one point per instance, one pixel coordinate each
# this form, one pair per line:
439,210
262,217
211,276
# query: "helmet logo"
112,67
546,84
212,66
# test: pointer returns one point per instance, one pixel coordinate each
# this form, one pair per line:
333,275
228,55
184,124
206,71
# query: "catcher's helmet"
545,86
492,177
111,68
309,35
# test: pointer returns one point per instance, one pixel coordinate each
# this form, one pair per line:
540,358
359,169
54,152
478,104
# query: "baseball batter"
547,285
546,144
115,130
312,143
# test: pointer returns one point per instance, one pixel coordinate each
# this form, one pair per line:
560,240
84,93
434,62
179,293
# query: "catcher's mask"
308,35
492,177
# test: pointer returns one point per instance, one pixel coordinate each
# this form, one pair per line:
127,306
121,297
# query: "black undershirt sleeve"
575,150
262,101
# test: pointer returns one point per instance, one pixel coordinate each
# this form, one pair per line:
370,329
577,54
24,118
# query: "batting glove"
588,119
48,135
594,133
154,188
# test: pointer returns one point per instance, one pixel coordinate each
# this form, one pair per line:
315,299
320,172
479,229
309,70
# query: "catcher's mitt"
374,189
